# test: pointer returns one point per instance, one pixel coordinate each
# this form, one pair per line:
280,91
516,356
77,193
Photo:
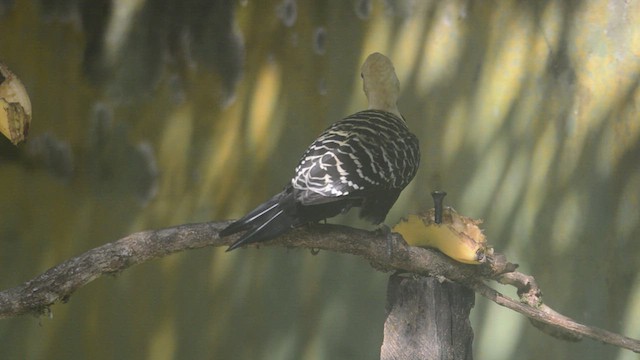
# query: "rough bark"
427,319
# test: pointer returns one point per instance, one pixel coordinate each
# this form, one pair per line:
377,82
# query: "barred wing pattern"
367,152
364,160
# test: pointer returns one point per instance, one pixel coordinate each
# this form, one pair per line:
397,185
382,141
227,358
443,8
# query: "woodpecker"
364,160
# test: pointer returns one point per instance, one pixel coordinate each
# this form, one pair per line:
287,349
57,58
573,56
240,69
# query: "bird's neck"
383,103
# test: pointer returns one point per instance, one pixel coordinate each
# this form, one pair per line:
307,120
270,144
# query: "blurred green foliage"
155,113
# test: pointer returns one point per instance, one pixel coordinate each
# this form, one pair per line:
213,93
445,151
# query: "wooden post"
427,319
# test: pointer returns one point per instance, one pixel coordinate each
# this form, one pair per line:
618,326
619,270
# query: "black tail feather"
282,212
273,226
265,222
247,221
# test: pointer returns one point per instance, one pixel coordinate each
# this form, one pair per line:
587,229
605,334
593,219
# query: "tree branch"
61,281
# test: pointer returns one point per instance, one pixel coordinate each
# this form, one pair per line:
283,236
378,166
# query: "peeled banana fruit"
458,237
15,107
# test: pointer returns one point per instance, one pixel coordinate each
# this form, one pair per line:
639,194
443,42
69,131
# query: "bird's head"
380,83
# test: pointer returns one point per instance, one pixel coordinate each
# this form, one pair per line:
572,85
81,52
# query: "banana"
458,237
15,107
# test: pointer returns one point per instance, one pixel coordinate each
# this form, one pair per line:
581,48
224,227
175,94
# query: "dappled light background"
150,114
